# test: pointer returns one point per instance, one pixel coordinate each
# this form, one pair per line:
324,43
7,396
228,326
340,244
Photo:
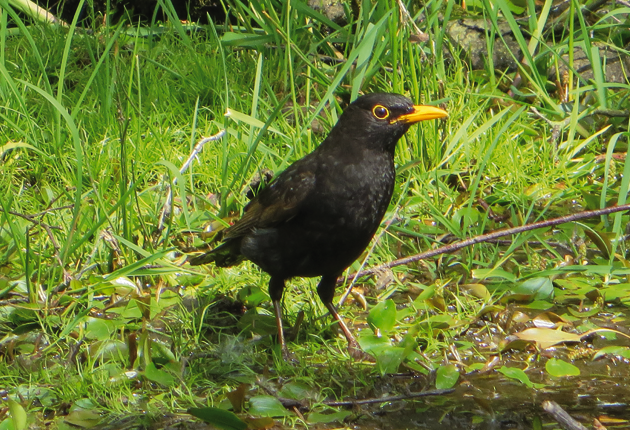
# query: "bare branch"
166,210
488,237
561,416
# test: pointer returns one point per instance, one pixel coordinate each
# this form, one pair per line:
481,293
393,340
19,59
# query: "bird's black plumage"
319,215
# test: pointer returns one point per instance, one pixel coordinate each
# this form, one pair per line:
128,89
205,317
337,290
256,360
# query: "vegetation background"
102,323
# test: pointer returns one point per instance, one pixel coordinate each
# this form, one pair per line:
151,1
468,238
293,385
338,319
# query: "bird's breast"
354,194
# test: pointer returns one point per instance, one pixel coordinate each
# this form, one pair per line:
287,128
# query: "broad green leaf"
98,328
446,376
109,349
370,342
160,376
225,420
589,312
267,406
389,359
6,424
18,415
426,294
613,292
541,305
538,288
319,418
83,414
621,351
252,296
297,390
519,375
383,316
558,368
437,322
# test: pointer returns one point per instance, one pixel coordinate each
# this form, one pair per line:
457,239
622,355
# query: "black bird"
319,215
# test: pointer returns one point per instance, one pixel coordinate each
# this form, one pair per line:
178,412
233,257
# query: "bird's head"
379,120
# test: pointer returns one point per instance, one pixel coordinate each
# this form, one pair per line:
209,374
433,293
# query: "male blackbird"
317,217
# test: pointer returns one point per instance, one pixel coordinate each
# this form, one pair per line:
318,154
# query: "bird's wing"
277,203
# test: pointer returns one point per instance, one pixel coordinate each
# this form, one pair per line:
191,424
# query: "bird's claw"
357,354
288,357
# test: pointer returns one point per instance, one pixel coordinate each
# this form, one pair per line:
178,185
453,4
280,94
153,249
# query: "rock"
614,65
333,9
468,35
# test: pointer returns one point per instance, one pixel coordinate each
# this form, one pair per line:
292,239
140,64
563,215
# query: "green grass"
99,311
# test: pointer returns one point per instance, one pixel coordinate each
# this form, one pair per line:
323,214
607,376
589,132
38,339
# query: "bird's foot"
288,357
357,354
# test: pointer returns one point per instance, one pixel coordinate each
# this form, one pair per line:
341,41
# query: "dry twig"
488,237
166,210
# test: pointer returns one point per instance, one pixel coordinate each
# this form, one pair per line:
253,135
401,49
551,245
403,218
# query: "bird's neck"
356,140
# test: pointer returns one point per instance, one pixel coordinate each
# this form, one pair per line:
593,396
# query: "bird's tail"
225,255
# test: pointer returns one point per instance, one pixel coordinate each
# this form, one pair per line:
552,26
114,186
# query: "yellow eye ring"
380,112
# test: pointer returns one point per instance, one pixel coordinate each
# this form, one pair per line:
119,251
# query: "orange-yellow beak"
422,113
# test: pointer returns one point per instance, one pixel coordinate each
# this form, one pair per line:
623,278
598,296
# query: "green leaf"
258,323
558,368
245,39
621,351
383,316
83,414
493,273
317,418
618,291
18,415
446,376
98,329
371,343
267,406
109,349
6,424
297,390
519,375
249,120
388,359
14,145
220,418
541,305
162,377
538,288
252,296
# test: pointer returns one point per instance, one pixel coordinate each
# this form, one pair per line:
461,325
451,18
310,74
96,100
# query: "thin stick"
166,210
292,403
487,237
391,398
561,416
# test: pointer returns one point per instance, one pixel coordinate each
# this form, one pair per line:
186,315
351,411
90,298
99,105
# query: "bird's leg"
276,286
326,291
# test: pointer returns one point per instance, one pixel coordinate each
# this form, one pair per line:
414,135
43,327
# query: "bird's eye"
381,112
